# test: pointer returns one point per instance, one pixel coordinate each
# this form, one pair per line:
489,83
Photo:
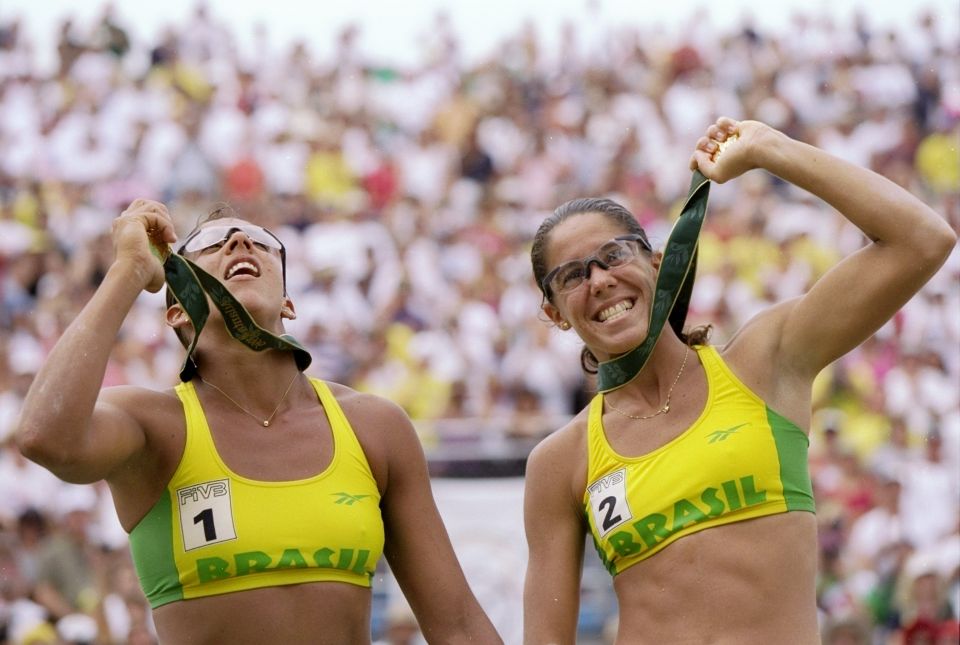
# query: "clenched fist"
143,224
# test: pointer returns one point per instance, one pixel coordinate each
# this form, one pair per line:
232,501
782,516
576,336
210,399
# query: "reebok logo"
722,435
348,499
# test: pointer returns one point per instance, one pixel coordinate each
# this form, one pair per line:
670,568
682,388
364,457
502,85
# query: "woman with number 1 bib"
691,475
258,500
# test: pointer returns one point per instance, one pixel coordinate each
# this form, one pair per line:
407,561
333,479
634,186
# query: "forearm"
470,626
885,212
59,405
551,598
549,618
447,611
537,631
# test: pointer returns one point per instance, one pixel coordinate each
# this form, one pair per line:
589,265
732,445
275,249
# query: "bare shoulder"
564,443
559,461
134,397
755,355
382,427
365,406
148,408
754,348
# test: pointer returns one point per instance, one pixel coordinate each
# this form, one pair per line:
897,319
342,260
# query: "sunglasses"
215,236
615,253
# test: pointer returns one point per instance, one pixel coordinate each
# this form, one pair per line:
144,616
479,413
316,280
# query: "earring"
564,325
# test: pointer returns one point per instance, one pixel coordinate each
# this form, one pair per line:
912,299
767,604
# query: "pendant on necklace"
266,424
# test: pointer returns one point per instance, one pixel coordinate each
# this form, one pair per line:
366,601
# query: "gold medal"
723,145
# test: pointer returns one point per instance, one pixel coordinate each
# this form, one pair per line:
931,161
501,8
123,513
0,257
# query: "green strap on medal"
191,285
672,292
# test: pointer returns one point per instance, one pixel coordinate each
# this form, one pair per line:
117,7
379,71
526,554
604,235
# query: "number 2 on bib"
608,501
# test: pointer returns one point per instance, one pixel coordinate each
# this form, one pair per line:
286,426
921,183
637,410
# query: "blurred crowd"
407,197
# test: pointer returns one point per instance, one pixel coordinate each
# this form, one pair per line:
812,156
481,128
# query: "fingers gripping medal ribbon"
723,145
191,285
674,285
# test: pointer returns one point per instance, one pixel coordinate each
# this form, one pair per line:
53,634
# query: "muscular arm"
555,539
418,547
63,426
909,242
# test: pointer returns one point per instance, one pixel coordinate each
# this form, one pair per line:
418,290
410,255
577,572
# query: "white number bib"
608,501
206,514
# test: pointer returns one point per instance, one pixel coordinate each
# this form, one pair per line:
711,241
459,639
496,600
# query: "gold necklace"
666,406
265,422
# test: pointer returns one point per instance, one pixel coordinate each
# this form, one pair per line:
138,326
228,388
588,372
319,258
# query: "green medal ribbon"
673,288
191,285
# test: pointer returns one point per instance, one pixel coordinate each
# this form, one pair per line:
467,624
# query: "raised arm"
418,547
555,539
908,241
62,426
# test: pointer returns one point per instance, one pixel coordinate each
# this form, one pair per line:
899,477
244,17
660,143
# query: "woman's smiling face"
610,308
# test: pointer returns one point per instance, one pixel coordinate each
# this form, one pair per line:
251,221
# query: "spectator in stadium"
258,500
692,478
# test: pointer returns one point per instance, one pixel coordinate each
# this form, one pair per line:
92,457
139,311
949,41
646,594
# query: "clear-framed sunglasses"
216,235
615,253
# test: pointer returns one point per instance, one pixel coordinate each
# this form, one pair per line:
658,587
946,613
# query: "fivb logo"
206,514
608,501
205,490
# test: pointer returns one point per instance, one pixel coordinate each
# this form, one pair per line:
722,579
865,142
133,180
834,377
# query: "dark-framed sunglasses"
616,253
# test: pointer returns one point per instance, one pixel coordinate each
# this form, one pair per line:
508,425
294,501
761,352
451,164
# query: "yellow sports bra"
214,532
738,461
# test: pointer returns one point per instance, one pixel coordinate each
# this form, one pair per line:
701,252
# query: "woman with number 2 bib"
258,500
691,476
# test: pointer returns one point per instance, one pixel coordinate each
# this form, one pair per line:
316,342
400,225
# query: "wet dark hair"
615,213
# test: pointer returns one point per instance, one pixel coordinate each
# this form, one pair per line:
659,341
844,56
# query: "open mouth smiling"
615,311
242,267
